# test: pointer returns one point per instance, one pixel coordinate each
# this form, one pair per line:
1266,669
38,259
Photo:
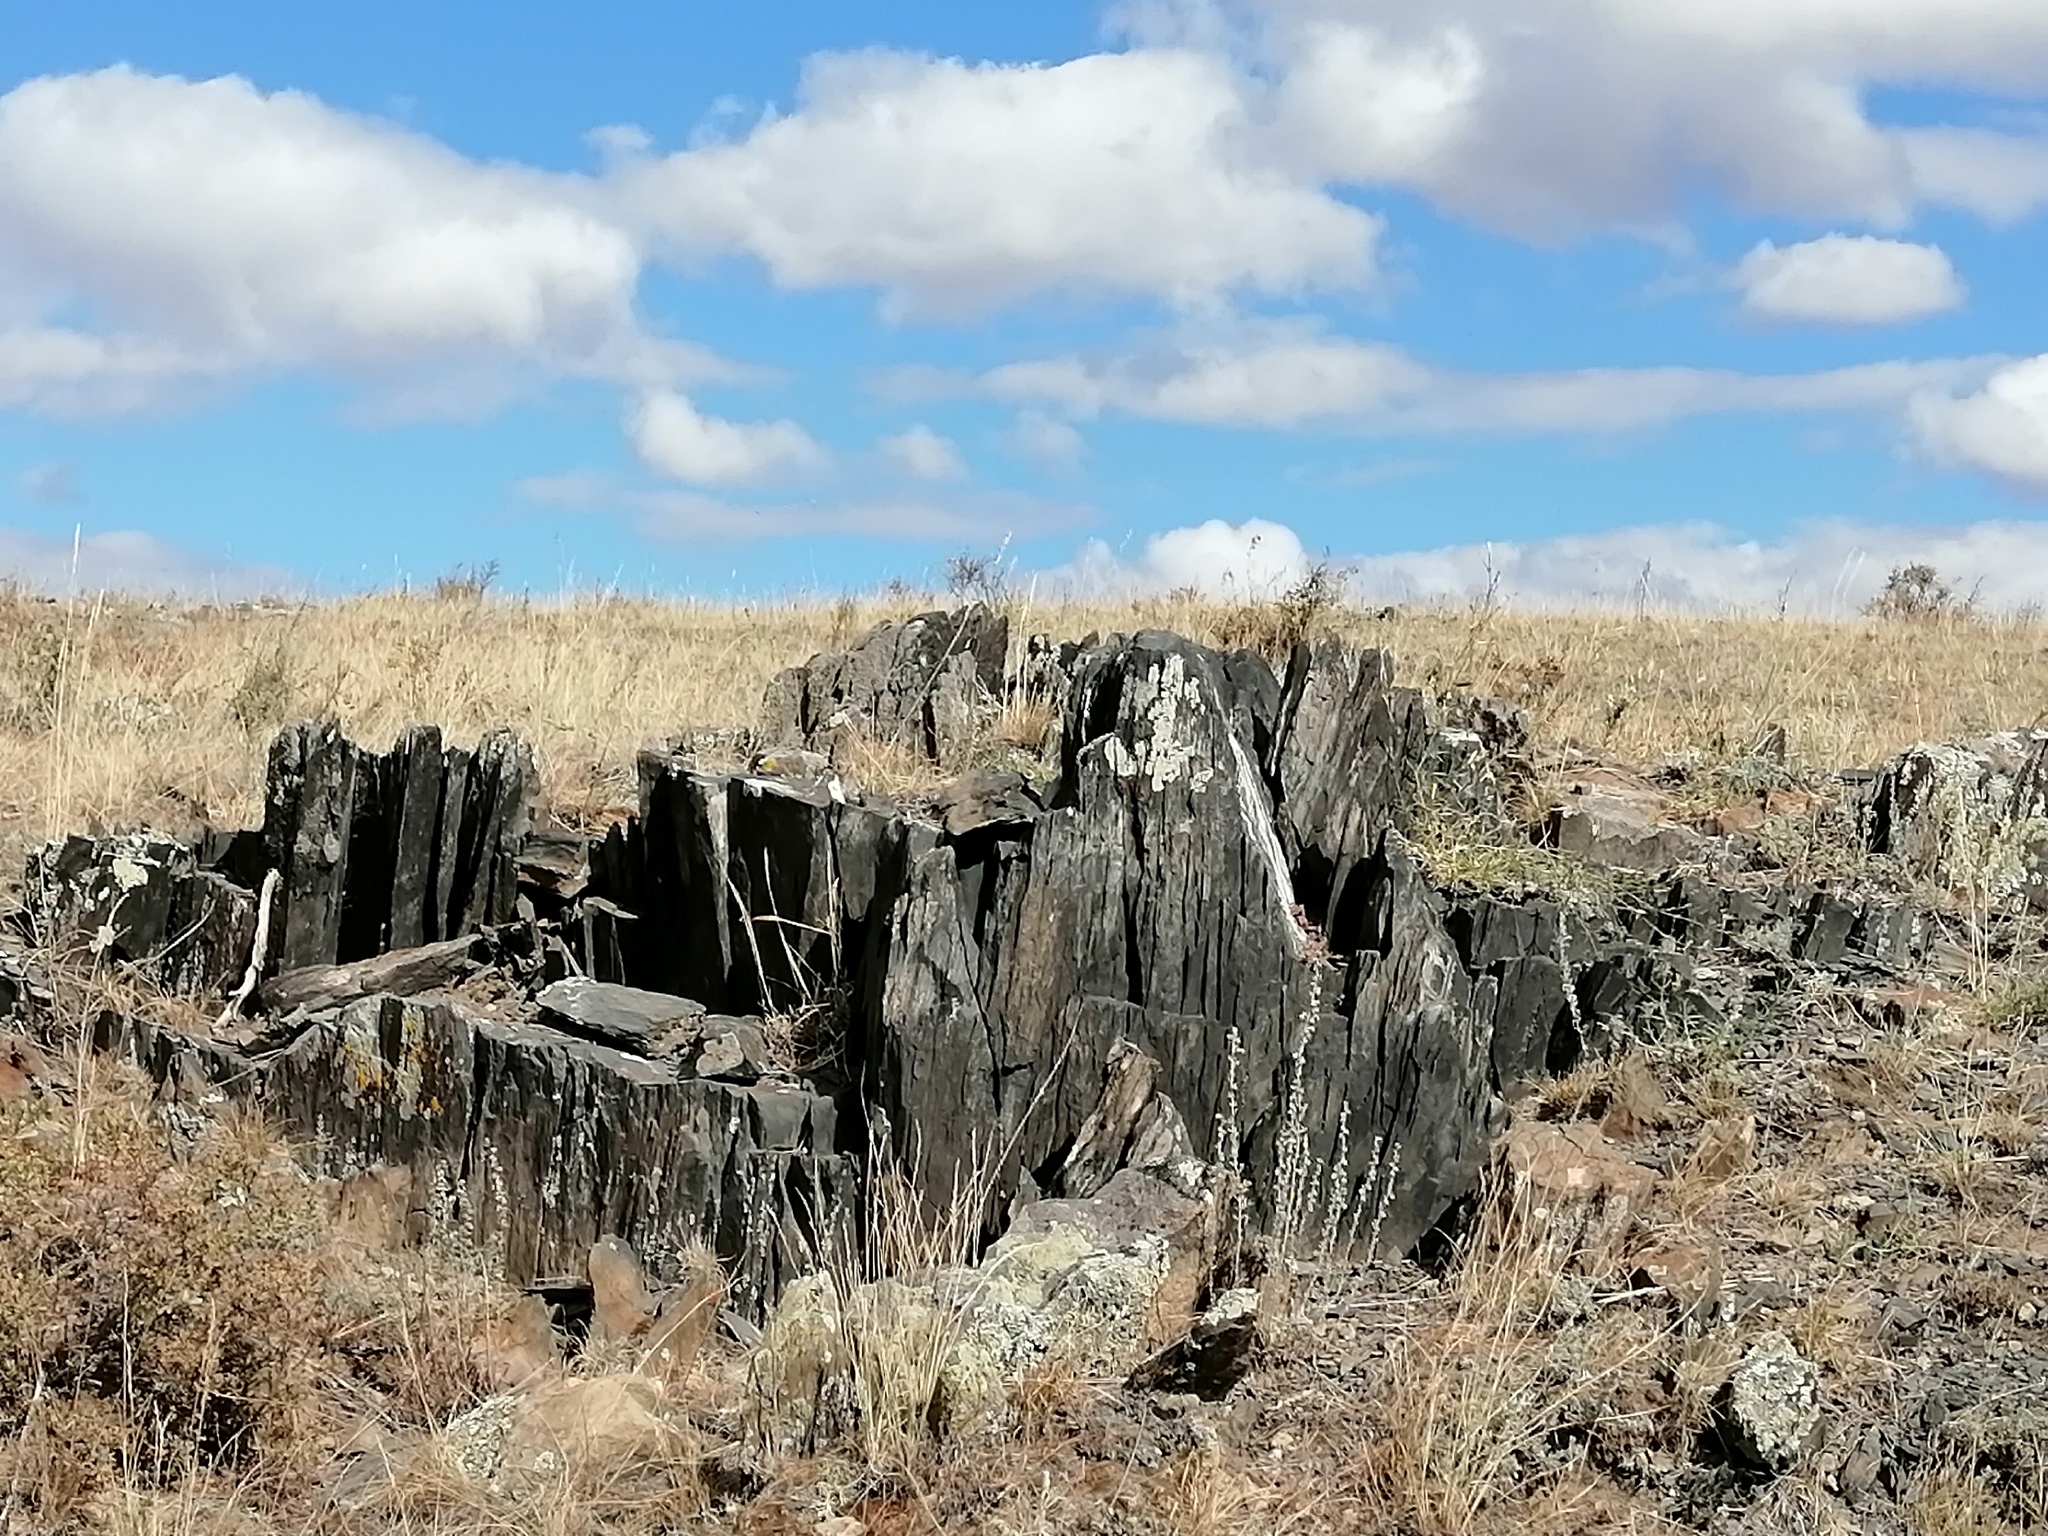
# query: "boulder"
593,1430
529,1144
1576,1191
1096,1285
1155,904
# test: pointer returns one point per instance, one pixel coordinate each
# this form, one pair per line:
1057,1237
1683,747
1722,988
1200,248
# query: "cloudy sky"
1731,303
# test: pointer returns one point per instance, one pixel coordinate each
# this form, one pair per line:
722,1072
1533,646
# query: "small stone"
841,1525
1689,1273
1770,1410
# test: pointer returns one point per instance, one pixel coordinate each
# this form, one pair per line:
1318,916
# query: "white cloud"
1847,280
575,489
956,187
1245,561
1824,568
920,452
2001,429
213,230
1280,377
139,563
675,439
1053,445
1549,118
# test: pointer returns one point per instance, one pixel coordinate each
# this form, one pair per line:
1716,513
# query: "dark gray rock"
1154,904
401,972
918,682
391,851
629,1018
142,899
1347,749
1213,1356
530,1144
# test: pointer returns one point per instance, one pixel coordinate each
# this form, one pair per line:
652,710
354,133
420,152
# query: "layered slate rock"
917,682
531,1144
391,850
1346,751
749,894
144,900
1154,904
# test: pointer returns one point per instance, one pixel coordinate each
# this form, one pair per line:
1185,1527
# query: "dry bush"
157,1313
179,1332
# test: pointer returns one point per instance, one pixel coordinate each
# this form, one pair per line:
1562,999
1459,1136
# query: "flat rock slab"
629,1018
1614,831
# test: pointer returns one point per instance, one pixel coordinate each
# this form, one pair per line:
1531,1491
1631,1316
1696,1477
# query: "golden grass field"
113,711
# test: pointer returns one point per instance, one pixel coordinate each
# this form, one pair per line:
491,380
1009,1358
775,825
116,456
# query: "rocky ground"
1722,1203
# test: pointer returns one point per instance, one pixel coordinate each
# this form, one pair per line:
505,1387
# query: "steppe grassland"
114,711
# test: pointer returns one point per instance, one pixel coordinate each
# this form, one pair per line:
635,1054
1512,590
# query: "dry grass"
115,711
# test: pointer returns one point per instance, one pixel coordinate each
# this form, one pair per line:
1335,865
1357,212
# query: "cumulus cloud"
1247,561
957,186
139,563
923,454
1283,377
2001,429
1548,118
216,231
1823,568
675,439
1847,280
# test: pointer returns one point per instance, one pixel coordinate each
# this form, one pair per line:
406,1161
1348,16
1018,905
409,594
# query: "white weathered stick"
258,951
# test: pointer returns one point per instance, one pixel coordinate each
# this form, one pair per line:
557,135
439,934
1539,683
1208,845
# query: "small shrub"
973,578
1296,616
1915,592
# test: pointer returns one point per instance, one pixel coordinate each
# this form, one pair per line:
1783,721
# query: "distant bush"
1917,591
466,583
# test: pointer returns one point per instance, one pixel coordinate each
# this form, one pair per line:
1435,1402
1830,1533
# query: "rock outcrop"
918,683
1200,941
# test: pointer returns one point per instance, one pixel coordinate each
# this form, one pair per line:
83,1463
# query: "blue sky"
1728,304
